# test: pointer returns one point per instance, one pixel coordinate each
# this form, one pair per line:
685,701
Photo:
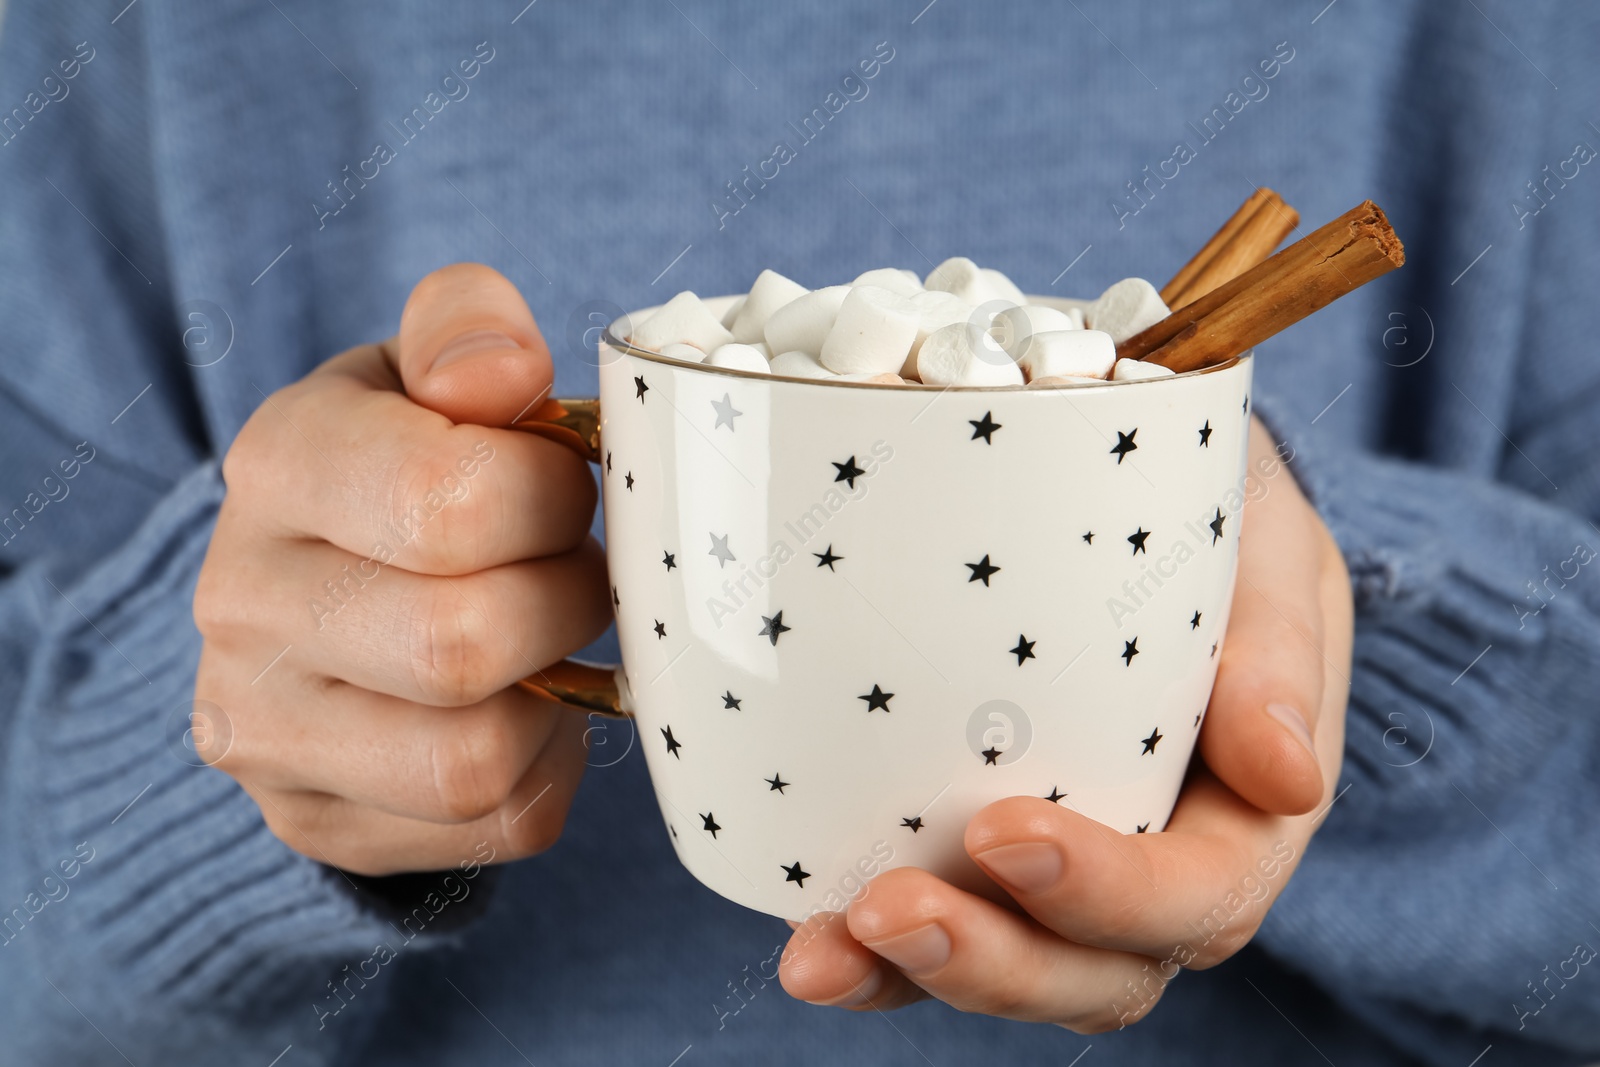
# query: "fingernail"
859,995
1032,867
922,951
1295,723
470,344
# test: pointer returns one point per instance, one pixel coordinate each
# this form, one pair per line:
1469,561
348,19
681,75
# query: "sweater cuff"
1449,876
180,894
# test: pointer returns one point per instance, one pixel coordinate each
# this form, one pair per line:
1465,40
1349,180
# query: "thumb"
469,348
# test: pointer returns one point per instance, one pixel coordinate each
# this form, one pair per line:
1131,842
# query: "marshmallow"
687,353
1015,325
799,365
803,323
1133,370
899,282
1064,380
934,308
1068,354
761,346
872,333
964,353
1076,315
684,319
739,357
975,285
1000,287
1126,308
769,293
732,313
958,275
990,310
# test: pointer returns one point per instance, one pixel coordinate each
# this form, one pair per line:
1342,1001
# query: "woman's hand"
1108,919
390,559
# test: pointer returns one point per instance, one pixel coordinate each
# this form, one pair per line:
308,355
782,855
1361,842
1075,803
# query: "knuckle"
253,461
534,832
1225,944
281,828
473,774
447,519
1018,991
1006,1000
241,463
223,602
299,833
1127,921
214,613
1114,1016
1097,1022
212,744
455,651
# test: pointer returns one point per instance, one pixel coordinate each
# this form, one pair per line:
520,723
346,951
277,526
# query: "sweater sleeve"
146,912
1450,893
142,891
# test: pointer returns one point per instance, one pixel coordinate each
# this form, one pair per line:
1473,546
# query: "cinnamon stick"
1257,239
1247,238
1310,274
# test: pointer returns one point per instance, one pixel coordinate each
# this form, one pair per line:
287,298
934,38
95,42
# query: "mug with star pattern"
853,614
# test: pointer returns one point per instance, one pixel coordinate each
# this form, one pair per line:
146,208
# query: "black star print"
877,699
1216,526
661,629
1088,538
827,559
667,558
984,427
981,571
848,472
1024,649
1130,649
608,462
1247,404
1151,742
776,782
1056,795
773,627
990,755
1144,827
710,826
914,823
674,830
630,481
616,601
795,874
1124,444
672,745
1194,623
1197,717
1205,434
1137,539
638,383
731,701
1213,650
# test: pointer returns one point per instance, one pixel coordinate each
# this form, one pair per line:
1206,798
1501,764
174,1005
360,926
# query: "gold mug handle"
588,687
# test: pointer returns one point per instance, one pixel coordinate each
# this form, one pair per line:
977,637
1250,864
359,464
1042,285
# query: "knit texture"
187,230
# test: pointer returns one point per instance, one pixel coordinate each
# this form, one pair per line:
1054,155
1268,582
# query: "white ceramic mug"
852,615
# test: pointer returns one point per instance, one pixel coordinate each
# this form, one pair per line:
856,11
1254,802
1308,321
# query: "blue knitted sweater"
206,199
